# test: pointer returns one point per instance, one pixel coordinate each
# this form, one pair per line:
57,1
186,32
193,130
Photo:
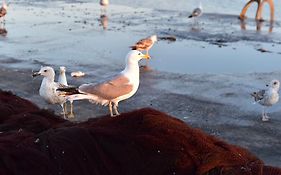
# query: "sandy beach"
204,78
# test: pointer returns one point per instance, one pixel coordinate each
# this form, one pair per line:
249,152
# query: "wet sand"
215,101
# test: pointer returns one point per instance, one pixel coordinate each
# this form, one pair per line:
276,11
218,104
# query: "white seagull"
62,77
267,97
48,88
104,2
145,44
123,86
197,12
63,81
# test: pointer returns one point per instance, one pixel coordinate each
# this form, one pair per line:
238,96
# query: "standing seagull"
111,92
267,97
49,86
3,10
145,44
197,12
62,77
104,4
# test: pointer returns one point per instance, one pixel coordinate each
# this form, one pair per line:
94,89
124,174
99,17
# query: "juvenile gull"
48,88
196,12
3,10
145,44
267,97
111,92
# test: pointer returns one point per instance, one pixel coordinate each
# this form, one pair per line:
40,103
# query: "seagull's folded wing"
109,90
144,43
259,95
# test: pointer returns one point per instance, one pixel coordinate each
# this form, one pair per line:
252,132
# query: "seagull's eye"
275,83
267,85
139,54
45,70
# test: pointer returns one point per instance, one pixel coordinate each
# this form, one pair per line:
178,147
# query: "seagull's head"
135,56
62,69
153,38
275,84
46,72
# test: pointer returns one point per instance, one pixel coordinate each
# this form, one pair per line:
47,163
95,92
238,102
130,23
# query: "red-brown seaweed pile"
141,142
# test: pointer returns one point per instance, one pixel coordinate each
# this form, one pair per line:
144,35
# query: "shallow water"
71,34
204,78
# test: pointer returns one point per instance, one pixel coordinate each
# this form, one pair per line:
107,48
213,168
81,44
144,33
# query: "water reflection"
104,21
259,25
3,31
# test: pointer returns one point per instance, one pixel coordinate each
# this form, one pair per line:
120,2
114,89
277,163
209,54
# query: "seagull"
145,44
104,4
110,92
63,81
197,12
62,77
267,97
3,10
49,86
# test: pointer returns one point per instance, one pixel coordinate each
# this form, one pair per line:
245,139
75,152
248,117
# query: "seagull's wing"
116,87
259,95
142,44
3,12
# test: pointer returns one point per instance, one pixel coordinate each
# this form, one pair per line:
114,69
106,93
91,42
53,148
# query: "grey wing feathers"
259,95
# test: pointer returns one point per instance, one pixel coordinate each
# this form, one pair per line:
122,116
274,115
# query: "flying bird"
267,97
110,92
49,86
197,12
145,44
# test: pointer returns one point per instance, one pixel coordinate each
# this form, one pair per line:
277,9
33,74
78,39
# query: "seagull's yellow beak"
146,56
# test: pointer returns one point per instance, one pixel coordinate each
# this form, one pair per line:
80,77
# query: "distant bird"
62,77
3,10
197,12
267,97
49,86
104,2
145,44
112,91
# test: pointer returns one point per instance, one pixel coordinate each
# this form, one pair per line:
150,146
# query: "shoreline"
219,103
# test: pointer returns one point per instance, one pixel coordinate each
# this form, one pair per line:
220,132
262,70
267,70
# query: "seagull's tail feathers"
190,16
258,96
133,47
69,90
